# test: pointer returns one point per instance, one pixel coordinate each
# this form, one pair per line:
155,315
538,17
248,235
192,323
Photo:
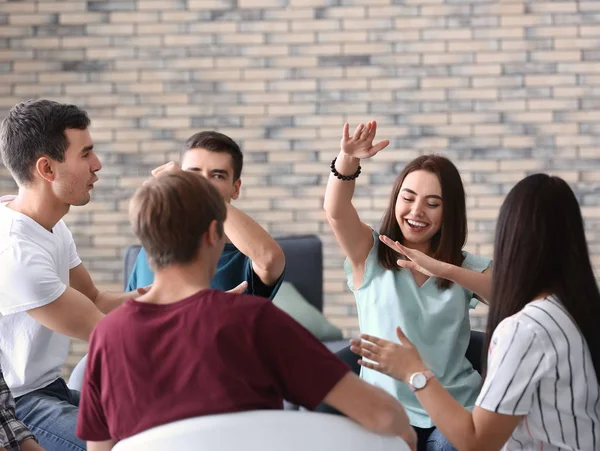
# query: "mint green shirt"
435,321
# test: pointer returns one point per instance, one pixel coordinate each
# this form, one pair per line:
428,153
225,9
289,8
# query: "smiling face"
216,167
419,207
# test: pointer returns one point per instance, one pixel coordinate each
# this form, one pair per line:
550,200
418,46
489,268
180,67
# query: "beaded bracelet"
344,177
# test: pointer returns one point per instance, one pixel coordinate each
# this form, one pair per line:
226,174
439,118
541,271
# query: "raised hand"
398,360
360,144
163,169
417,260
167,167
239,289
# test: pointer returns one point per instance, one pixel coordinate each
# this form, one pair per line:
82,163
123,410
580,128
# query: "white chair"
264,430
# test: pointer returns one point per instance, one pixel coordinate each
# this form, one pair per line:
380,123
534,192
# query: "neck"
423,247
542,295
42,208
177,282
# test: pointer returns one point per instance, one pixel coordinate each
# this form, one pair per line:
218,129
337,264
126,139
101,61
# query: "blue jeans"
432,440
51,414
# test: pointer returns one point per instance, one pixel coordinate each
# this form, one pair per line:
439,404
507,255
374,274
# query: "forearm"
30,445
478,283
106,301
338,194
371,407
254,242
101,446
451,418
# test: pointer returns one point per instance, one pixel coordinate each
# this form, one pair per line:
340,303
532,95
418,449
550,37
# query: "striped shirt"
539,366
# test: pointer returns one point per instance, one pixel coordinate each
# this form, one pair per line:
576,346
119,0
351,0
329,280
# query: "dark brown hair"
171,213
220,143
35,128
447,244
540,247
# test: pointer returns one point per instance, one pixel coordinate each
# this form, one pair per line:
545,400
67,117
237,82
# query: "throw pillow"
293,303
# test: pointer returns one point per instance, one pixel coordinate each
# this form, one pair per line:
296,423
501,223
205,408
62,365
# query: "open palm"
360,144
416,260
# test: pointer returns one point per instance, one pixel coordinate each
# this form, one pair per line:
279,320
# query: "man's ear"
236,189
45,168
212,233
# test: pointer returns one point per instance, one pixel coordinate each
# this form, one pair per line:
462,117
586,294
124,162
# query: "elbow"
383,419
274,262
329,208
331,214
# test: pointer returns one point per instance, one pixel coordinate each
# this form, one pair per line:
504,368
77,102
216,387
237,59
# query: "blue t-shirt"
435,321
232,269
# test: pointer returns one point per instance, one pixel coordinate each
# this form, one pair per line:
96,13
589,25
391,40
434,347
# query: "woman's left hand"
417,260
399,361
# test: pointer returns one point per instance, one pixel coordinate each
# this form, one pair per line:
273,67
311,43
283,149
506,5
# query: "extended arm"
253,241
354,236
105,301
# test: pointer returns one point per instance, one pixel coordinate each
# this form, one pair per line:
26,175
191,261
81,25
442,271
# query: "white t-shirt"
540,366
34,271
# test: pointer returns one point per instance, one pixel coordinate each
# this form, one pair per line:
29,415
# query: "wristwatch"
419,380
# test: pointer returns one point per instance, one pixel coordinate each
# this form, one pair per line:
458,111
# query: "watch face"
418,380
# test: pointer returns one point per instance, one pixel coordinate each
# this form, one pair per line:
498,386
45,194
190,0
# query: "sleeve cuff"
31,305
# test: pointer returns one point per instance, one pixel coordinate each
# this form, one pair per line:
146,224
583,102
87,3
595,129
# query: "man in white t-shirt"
46,294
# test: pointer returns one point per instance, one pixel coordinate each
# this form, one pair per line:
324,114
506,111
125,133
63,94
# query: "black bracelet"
343,177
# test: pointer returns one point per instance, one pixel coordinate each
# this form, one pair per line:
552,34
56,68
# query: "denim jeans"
432,440
51,414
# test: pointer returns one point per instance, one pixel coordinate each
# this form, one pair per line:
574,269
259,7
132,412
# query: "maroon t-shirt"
211,353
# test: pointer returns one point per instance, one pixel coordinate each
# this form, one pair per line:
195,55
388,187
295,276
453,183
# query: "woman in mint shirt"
413,272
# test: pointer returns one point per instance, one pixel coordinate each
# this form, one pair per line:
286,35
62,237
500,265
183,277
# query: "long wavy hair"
540,247
448,242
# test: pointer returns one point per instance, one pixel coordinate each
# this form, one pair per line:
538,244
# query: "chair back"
263,430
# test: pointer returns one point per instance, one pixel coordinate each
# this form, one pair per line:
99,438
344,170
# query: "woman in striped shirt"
541,389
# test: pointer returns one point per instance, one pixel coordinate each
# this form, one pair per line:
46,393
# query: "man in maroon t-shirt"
184,350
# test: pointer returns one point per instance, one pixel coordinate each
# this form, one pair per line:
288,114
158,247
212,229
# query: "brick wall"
504,88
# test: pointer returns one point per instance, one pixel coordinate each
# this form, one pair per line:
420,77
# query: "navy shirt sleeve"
257,287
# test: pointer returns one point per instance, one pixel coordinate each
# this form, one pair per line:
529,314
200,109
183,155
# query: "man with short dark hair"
210,352
46,294
250,255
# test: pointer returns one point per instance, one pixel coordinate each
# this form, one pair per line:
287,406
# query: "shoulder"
246,301
62,228
548,317
475,262
117,318
17,249
542,322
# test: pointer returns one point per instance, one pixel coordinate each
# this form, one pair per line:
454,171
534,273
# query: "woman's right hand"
360,144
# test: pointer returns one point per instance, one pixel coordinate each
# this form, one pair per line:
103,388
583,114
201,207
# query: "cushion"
293,303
